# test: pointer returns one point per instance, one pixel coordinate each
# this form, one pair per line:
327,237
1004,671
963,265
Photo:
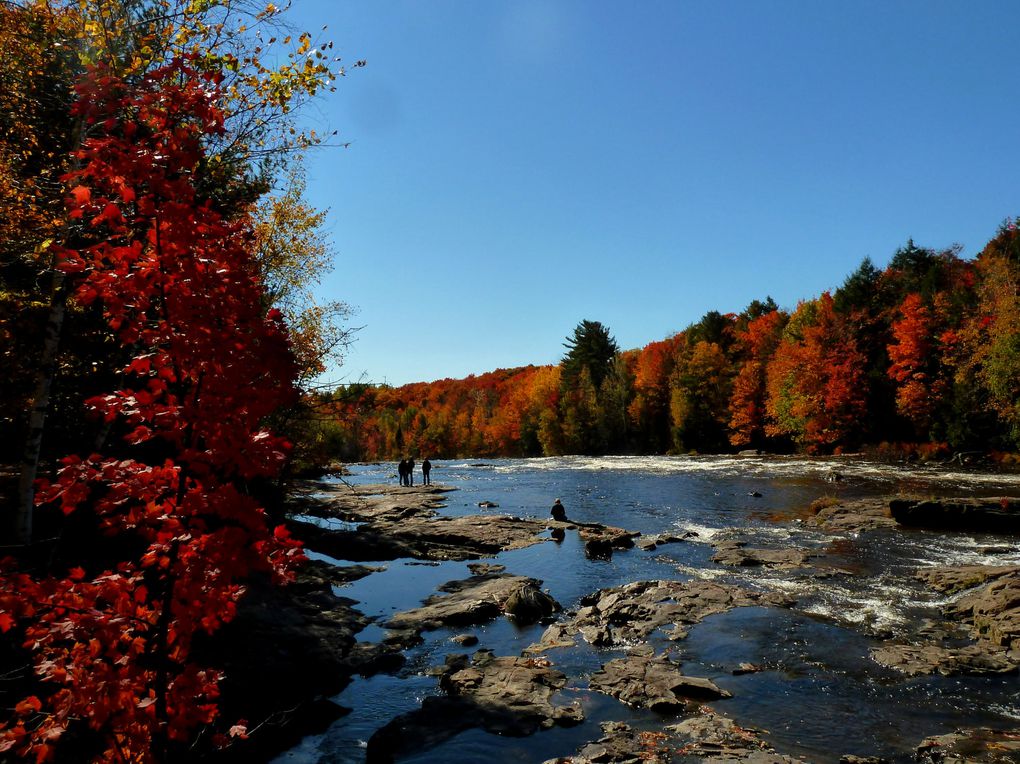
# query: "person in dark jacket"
426,468
410,471
558,512
402,471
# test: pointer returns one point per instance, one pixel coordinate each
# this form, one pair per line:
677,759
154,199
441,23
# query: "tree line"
922,357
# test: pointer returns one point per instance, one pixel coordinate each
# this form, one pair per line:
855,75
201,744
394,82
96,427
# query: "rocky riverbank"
307,635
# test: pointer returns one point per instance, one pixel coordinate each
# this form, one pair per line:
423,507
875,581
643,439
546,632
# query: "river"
820,695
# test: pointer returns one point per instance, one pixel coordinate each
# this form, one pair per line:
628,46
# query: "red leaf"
28,705
82,195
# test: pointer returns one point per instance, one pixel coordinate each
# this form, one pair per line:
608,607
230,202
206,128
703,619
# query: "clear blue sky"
516,167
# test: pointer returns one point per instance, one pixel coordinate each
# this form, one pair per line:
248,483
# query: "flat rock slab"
644,680
922,660
975,515
961,577
395,522
502,695
629,613
853,516
737,554
971,746
469,601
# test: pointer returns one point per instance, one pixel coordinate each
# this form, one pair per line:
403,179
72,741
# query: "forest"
921,359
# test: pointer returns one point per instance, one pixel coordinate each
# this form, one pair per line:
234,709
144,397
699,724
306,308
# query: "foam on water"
843,468
703,534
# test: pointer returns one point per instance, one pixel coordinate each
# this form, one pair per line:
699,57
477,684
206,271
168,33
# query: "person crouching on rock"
558,512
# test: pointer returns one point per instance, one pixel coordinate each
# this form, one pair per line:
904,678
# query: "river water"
820,695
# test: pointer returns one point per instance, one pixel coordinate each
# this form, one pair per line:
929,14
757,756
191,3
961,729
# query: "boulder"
528,604
973,515
472,600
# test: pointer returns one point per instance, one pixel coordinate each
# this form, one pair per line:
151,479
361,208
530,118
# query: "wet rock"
974,515
862,760
472,600
621,744
851,516
528,604
955,579
747,668
714,737
484,568
557,635
629,613
996,549
369,658
598,549
735,553
971,746
920,660
467,640
993,610
601,540
488,504
643,680
502,695
557,534
649,543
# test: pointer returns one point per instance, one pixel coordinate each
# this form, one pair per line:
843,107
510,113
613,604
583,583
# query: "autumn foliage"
205,365
924,354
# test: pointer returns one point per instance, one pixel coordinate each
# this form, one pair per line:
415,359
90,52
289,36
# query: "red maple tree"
177,287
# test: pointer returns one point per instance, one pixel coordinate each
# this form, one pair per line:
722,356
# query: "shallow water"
820,695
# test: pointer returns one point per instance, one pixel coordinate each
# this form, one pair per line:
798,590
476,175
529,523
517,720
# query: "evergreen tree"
592,348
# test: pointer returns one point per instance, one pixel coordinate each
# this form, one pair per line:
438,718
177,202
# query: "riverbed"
817,693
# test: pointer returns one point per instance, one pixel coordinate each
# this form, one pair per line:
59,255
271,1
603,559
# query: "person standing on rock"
402,471
558,512
410,471
426,468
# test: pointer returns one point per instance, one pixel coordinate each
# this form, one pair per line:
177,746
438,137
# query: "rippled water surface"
820,696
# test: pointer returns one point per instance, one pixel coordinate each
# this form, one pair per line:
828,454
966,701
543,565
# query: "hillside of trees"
921,357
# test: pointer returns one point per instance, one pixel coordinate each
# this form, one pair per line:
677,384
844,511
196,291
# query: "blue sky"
516,167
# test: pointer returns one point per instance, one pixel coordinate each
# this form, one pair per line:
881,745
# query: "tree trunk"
37,417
